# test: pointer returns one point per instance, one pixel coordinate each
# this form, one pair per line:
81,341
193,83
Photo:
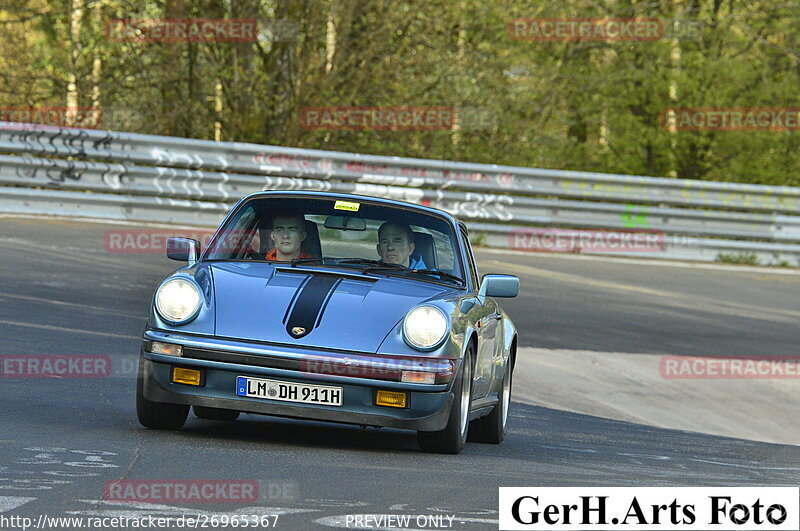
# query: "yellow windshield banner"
346,205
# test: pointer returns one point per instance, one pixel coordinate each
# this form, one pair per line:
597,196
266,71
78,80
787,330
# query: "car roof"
356,197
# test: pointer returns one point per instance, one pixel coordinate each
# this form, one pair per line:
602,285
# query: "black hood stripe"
311,301
294,298
327,300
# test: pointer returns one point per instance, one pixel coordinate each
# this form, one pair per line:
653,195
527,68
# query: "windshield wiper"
404,270
380,266
374,264
366,261
435,272
296,261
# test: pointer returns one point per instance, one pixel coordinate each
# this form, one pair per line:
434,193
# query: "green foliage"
738,258
478,239
591,105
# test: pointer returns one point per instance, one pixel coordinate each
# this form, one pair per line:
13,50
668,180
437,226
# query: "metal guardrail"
176,180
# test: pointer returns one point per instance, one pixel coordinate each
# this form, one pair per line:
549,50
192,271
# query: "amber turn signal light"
391,399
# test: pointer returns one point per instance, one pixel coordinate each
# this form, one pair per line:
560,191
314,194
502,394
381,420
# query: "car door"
484,320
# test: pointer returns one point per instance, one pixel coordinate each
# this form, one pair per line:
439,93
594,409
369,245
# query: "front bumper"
428,404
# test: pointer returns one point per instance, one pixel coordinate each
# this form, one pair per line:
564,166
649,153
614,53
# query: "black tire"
157,415
453,437
213,413
493,428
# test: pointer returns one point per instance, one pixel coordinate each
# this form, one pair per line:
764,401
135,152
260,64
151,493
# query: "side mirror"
499,286
183,249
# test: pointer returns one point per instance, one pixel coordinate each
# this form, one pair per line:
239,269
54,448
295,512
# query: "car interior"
424,244
425,248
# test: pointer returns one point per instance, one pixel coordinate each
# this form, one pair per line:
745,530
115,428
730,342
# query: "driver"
288,233
396,246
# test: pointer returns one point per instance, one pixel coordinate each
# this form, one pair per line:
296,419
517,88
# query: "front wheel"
453,437
157,415
493,428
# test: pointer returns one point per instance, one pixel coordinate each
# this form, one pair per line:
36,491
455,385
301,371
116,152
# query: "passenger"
396,246
288,233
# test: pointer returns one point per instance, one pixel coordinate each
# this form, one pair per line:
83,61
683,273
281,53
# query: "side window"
255,243
442,251
471,259
239,235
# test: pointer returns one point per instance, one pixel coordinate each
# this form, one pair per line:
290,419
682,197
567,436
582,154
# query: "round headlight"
178,300
424,327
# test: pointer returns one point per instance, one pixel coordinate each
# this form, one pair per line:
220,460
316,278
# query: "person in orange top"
288,233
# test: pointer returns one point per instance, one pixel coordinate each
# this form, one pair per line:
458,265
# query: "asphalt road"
61,440
641,306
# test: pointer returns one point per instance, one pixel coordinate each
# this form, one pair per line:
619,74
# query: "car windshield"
345,233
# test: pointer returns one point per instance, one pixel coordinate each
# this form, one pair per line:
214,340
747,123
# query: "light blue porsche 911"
332,307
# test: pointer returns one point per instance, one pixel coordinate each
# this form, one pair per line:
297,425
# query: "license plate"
288,391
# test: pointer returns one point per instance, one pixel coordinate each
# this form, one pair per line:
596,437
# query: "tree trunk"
73,96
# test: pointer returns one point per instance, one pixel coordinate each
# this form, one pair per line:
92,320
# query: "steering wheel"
251,254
